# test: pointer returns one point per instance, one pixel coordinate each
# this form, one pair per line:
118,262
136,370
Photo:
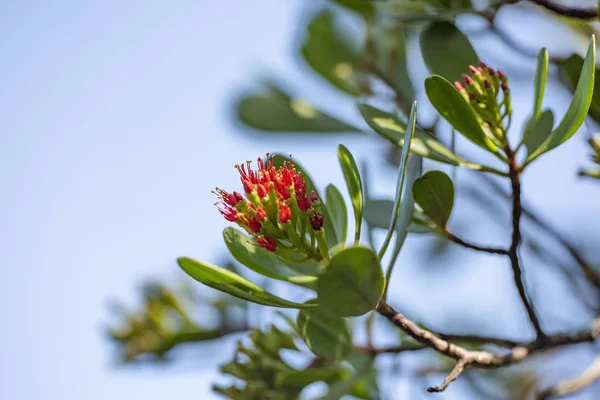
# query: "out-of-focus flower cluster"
594,142
277,210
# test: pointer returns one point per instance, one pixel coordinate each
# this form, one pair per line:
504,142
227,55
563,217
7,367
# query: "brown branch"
482,358
570,386
456,371
478,339
579,13
513,252
391,350
459,241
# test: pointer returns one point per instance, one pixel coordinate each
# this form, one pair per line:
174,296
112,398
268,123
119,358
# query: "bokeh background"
117,119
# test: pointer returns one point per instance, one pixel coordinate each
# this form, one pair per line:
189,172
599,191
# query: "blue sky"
115,126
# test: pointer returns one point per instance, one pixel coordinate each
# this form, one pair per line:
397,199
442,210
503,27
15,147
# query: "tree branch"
459,241
579,13
391,350
570,386
456,371
482,358
513,252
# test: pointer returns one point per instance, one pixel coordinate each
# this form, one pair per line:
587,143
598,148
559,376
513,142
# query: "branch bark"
570,386
472,246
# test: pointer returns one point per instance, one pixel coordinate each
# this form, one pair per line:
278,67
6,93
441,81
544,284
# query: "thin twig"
456,371
579,13
478,339
513,252
391,350
485,249
570,386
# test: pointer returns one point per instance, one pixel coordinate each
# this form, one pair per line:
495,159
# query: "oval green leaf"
434,193
263,262
538,131
455,109
233,284
352,283
569,72
325,335
447,51
354,184
337,209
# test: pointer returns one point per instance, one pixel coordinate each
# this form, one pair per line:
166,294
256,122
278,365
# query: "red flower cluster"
276,200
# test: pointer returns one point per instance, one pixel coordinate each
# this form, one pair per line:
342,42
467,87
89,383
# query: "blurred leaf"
330,233
434,193
391,59
578,109
354,384
455,109
303,378
446,50
538,131
408,136
392,129
364,7
330,55
337,209
352,283
354,184
377,213
539,83
325,335
277,112
233,284
263,262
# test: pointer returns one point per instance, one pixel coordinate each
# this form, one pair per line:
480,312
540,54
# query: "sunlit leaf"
354,184
455,109
261,261
434,193
447,51
233,284
276,111
352,283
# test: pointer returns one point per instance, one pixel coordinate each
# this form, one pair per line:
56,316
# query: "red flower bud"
468,79
284,213
248,186
458,86
267,243
238,197
491,71
254,225
483,65
313,197
473,70
261,215
303,202
487,84
504,87
316,221
262,191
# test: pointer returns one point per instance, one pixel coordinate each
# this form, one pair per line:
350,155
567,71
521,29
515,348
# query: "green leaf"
391,60
423,144
354,184
578,109
377,213
325,335
352,283
303,378
434,193
328,225
233,284
569,72
455,109
337,209
538,131
539,83
330,55
410,131
353,382
447,51
276,111
263,262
